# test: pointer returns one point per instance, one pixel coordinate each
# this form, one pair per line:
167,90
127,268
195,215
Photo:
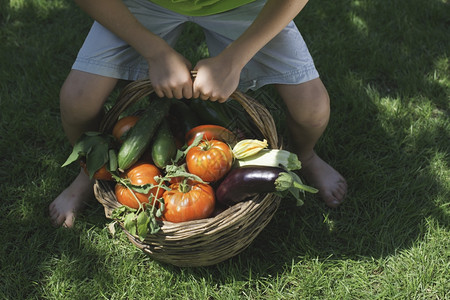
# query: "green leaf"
74,156
81,147
158,213
130,223
97,157
180,171
112,228
85,144
182,154
142,221
119,212
154,226
195,143
143,189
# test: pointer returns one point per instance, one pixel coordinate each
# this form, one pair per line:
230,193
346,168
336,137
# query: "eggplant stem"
305,187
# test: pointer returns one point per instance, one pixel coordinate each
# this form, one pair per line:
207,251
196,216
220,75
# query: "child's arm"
218,77
169,71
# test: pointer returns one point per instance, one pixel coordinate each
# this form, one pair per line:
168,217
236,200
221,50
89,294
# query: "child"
251,42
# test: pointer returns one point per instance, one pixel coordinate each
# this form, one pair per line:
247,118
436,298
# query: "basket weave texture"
207,241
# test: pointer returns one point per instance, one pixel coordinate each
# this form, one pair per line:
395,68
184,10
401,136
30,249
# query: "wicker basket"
207,241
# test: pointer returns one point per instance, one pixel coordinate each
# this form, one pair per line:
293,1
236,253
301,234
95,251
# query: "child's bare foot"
331,185
65,207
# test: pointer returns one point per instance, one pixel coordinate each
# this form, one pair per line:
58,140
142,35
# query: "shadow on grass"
373,57
367,53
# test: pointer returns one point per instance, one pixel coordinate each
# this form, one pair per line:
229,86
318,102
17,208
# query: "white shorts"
285,59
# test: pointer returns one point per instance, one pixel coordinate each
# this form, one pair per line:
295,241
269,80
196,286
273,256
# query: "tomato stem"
161,181
184,186
205,145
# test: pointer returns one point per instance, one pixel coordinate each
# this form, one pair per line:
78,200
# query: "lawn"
386,68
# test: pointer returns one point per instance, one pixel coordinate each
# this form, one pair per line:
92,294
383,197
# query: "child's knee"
68,97
75,105
82,97
308,103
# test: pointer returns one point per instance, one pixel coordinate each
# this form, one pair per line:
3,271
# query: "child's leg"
309,111
81,101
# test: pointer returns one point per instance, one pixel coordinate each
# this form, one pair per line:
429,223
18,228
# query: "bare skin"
80,112
83,95
308,104
309,107
65,207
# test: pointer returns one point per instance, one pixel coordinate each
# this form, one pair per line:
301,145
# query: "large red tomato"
188,200
138,174
210,160
122,126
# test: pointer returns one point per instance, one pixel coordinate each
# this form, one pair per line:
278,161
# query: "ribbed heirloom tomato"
138,174
210,160
188,200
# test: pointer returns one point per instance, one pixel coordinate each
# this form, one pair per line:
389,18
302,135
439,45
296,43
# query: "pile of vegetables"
167,164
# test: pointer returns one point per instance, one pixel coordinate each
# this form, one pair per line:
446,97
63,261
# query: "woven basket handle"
258,113
139,89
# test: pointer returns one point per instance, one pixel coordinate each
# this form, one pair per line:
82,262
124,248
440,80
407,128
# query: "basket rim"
235,222
138,89
176,244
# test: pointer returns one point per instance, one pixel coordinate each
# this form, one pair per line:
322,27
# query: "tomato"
211,132
210,160
122,126
139,174
100,174
188,200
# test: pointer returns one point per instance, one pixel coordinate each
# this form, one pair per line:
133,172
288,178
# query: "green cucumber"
164,148
141,134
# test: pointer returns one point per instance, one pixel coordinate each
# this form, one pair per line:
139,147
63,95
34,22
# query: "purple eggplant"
244,182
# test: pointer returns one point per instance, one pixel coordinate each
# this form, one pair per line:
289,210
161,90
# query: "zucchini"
164,148
271,158
141,134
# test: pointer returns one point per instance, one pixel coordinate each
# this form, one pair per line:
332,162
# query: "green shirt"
200,7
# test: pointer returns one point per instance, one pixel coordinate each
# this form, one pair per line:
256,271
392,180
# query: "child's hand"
170,75
216,79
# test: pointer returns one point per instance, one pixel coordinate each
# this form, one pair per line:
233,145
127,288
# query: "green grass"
386,67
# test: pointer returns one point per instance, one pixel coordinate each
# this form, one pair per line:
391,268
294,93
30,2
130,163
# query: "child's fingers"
187,91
